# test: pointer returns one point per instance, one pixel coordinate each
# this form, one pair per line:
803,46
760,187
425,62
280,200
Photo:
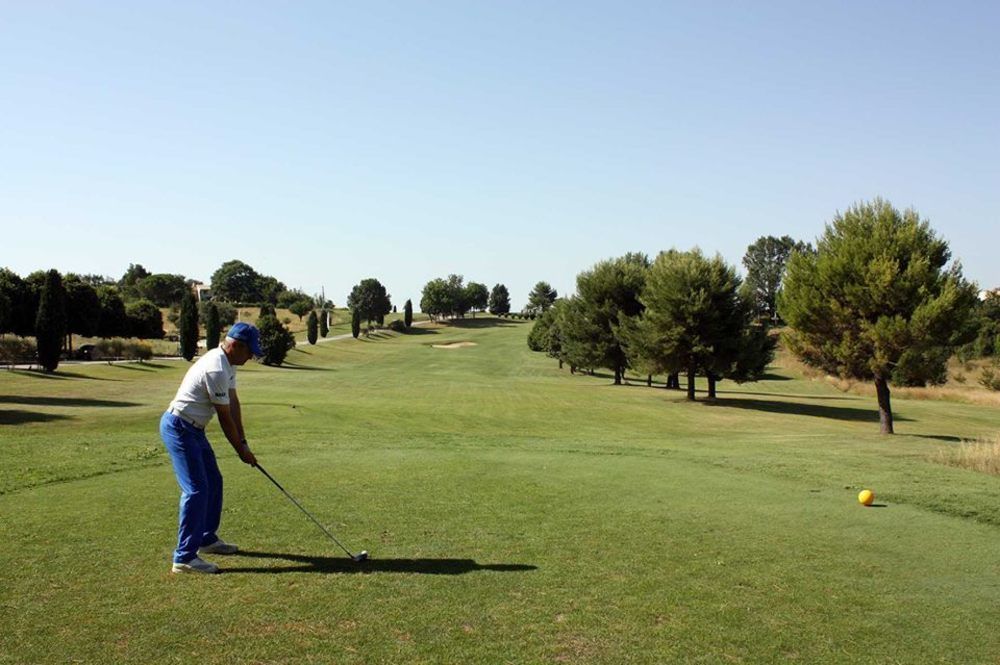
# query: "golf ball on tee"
866,497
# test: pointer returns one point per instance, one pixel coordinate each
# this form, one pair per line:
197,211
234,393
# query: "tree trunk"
884,406
618,376
649,380
711,385
560,363
572,369
690,385
674,381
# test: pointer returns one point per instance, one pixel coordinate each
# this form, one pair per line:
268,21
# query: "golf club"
357,558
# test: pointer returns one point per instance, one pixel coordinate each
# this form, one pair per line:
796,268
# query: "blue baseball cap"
248,334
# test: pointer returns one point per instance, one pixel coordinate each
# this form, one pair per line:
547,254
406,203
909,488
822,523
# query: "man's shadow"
328,564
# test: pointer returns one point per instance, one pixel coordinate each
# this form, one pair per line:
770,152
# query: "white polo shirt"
206,383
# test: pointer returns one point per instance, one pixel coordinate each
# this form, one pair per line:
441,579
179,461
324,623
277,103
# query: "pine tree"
693,321
312,327
50,323
408,314
324,325
876,298
188,325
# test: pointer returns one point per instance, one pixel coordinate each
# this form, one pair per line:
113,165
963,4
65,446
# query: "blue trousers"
201,485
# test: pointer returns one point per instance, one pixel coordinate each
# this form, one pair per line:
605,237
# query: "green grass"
514,513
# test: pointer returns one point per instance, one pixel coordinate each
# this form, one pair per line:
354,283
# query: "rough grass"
962,385
514,513
982,455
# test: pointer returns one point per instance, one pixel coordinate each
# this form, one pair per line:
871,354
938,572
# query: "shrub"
324,326
14,350
990,378
276,340
122,349
397,326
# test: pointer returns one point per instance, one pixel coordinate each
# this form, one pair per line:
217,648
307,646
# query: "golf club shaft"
292,499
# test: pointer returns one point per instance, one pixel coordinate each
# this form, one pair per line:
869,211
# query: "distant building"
203,291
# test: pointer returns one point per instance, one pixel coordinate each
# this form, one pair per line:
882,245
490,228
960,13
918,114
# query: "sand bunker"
453,345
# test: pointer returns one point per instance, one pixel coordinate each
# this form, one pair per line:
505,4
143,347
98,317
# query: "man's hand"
246,455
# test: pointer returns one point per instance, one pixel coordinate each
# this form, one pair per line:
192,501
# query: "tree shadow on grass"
18,417
327,564
58,374
488,322
796,409
296,366
938,437
793,396
414,330
62,401
140,367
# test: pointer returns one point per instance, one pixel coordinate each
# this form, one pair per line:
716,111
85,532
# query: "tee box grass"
514,513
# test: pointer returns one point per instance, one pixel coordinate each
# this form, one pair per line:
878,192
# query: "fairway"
514,513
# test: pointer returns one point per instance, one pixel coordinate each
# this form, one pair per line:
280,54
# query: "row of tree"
82,308
877,300
682,313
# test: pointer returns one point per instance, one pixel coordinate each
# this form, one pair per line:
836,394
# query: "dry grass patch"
962,385
982,455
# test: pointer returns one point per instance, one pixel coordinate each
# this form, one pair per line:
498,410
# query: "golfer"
208,387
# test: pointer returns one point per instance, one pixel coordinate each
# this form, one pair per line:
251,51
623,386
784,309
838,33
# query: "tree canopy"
235,281
445,297
541,298
765,262
477,296
370,300
878,298
606,295
499,302
693,319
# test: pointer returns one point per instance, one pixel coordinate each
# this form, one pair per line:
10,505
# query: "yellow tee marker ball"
866,497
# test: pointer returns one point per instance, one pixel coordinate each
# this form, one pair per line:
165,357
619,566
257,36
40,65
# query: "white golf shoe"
195,565
219,547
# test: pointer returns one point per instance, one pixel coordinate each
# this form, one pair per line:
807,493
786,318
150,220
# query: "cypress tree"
324,326
50,323
188,325
213,326
312,327
408,313
355,323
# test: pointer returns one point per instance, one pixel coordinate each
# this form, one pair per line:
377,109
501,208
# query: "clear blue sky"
505,141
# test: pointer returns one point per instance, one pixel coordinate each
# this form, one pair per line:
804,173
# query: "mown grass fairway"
514,513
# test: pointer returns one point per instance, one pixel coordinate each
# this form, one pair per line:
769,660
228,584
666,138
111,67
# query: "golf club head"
360,556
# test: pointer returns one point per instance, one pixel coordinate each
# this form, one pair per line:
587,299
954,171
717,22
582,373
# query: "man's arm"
237,412
233,429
